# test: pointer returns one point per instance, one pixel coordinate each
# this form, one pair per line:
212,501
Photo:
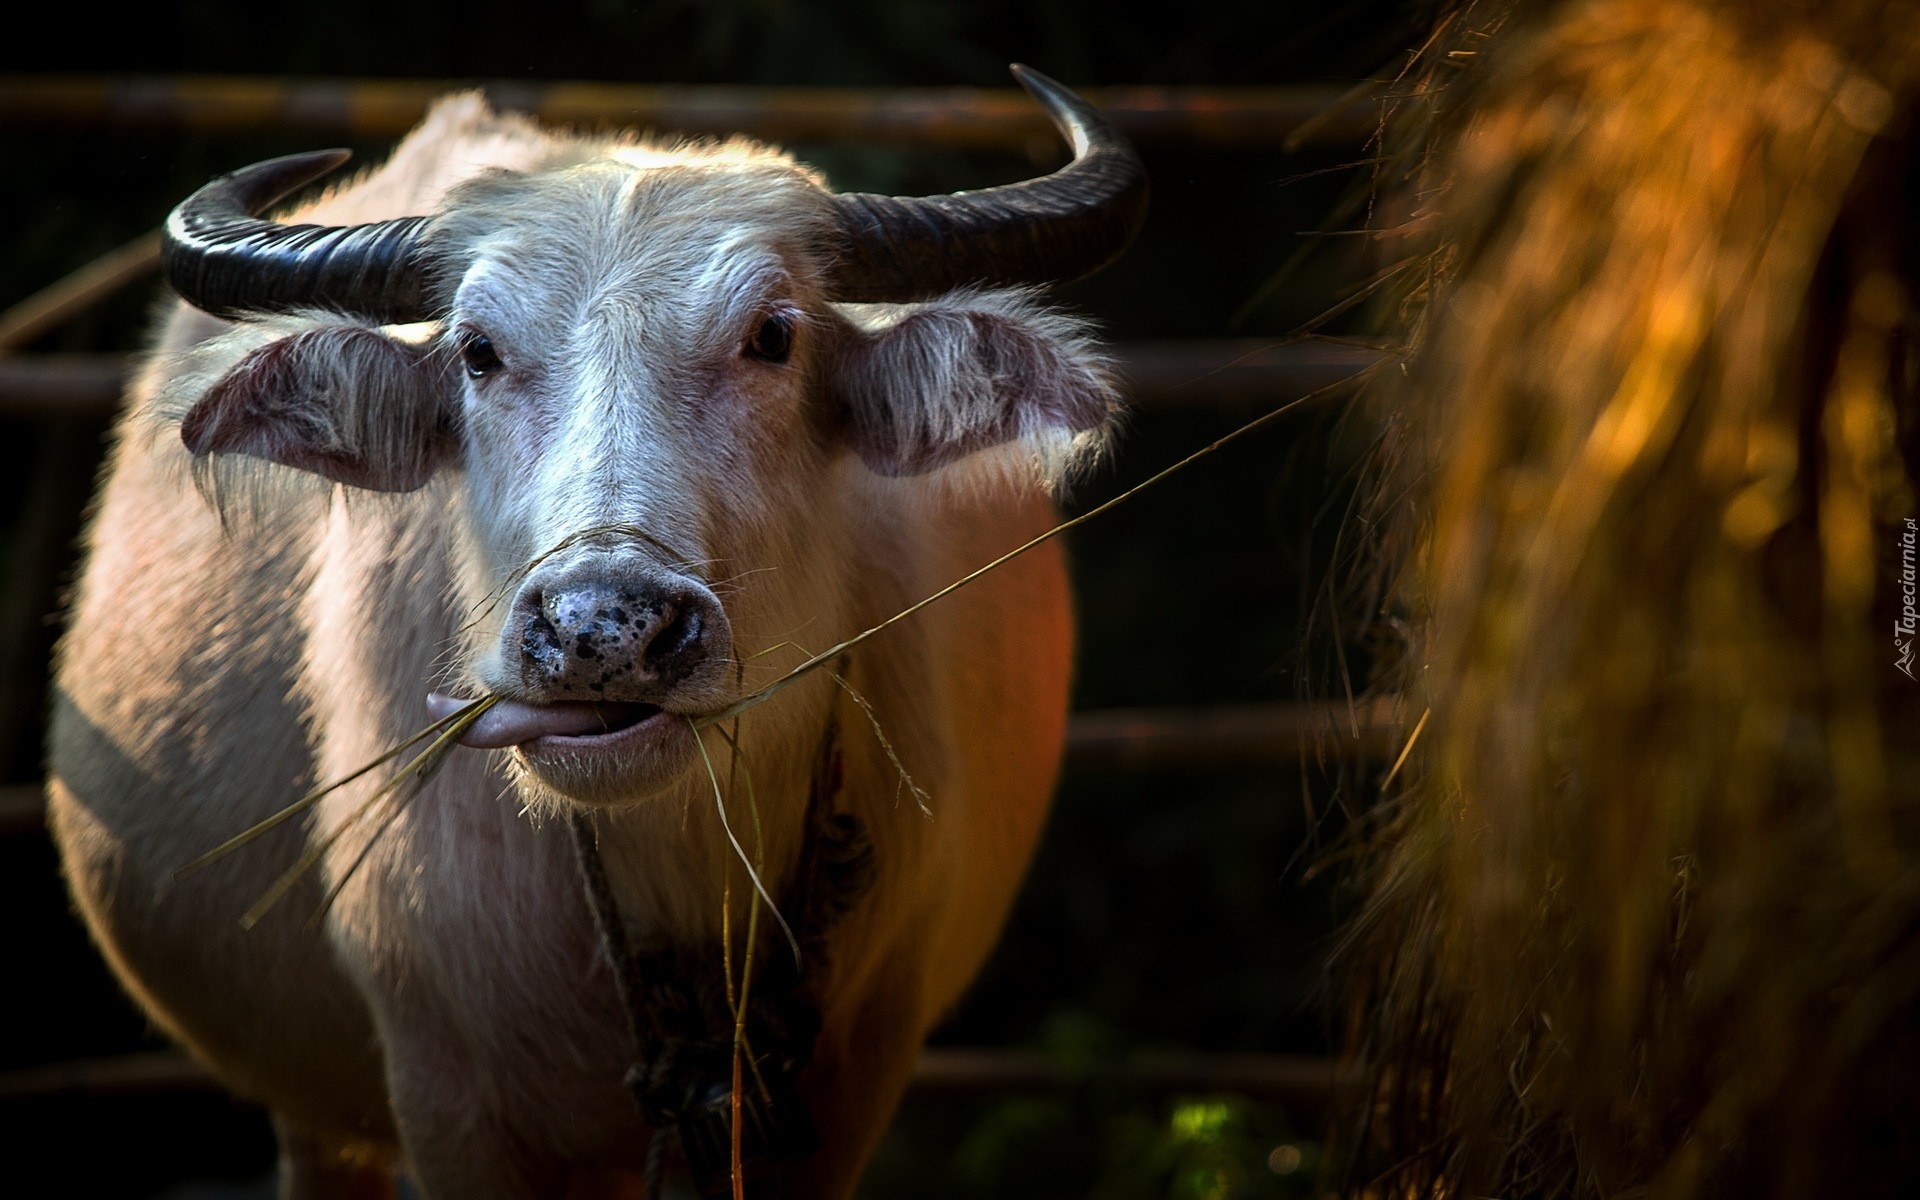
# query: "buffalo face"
663,438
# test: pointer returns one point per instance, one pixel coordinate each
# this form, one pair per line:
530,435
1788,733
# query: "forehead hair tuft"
633,204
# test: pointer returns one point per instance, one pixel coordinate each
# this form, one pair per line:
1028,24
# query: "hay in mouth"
515,722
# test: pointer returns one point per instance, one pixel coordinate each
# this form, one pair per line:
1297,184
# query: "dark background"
1169,908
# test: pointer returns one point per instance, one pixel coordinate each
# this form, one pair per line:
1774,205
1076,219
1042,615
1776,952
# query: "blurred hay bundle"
1645,916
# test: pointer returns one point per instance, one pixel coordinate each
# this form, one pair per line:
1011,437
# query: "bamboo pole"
66,298
957,118
1246,735
1251,735
1297,1081
1306,1084
23,808
1154,375
62,385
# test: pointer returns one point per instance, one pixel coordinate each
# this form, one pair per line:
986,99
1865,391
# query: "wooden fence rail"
958,118
34,387
1234,735
1155,375
1306,1085
66,298
1243,735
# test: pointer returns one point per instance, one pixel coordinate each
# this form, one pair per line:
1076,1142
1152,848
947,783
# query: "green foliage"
1101,1137
1107,1145
1205,1148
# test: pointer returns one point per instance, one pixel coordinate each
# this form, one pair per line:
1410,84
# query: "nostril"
540,641
675,637
589,638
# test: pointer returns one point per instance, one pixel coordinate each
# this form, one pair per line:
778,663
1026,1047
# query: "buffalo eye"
481,358
772,340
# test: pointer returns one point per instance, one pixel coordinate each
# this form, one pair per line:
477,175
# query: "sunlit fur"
946,393
365,404
223,656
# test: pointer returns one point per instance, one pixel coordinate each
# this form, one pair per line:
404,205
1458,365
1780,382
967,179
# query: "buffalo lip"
620,764
650,722
570,724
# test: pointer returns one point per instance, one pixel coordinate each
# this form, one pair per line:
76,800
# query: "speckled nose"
594,639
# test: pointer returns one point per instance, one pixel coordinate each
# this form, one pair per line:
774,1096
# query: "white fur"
454,1009
946,393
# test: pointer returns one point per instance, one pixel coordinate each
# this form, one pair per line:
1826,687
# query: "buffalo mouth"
567,723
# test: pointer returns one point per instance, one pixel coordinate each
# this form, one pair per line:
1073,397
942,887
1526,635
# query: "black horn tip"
241,193
1054,229
223,258
1068,111
264,184
1041,86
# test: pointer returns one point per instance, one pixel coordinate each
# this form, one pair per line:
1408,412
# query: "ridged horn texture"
1055,229
223,259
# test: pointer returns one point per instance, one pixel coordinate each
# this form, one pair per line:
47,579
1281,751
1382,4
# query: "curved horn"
1054,229
223,259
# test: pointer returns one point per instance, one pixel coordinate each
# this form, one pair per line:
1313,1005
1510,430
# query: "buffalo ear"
968,372
340,401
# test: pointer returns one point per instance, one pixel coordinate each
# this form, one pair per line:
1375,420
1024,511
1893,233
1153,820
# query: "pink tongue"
511,723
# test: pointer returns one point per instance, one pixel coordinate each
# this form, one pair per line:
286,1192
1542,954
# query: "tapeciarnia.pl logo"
1905,625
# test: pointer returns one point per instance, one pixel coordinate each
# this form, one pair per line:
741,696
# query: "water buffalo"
609,430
